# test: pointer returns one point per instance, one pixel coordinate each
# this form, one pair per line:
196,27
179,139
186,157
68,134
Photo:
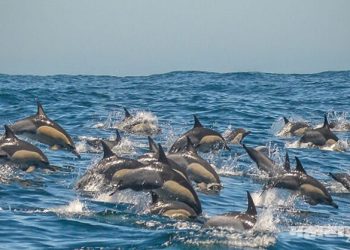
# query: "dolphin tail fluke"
197,123
107,152
285,120
9,133
251,206
162,157
152,145
286,164
127,114
299,167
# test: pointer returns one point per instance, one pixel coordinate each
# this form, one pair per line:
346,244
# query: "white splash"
339,146
314,231
274,198
75,207
139,200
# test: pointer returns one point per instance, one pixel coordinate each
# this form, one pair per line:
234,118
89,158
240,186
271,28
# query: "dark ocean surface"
43,210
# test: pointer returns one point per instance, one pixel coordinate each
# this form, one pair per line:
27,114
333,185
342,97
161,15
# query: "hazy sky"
146,37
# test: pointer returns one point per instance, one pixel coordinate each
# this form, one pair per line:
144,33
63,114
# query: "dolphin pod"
168,178
40,128
204,139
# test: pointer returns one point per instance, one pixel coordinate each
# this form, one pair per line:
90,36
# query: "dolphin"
343,178
39,127
163,180
263,162
96,143
311,189
107,171
204,139
23,153
320,136
293,128
198,169
138,125
236,136
238,220
172,209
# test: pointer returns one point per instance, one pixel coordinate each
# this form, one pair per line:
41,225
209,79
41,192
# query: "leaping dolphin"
198,169
204,139
263,162
39,127
172,209
293,128
320,136
107,171
238,220
343,178
21,152
96,143
236,136
138,125
311,189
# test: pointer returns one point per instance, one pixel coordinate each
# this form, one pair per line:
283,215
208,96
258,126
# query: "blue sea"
42,210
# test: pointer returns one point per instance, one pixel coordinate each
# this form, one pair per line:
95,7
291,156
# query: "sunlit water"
43,210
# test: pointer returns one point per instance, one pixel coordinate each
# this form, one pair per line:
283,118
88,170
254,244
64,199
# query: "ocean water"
43,210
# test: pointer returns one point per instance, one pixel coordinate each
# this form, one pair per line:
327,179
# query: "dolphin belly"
208,142
199,173
51,136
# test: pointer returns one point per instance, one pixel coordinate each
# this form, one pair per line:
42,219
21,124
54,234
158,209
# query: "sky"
142,37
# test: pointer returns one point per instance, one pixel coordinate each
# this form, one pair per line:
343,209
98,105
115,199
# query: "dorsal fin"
40,111
162,157
107,152
325,123
197,123
285,120
189,146
9,133
299,167
118,138
286,164
127,114
152,145
251,206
